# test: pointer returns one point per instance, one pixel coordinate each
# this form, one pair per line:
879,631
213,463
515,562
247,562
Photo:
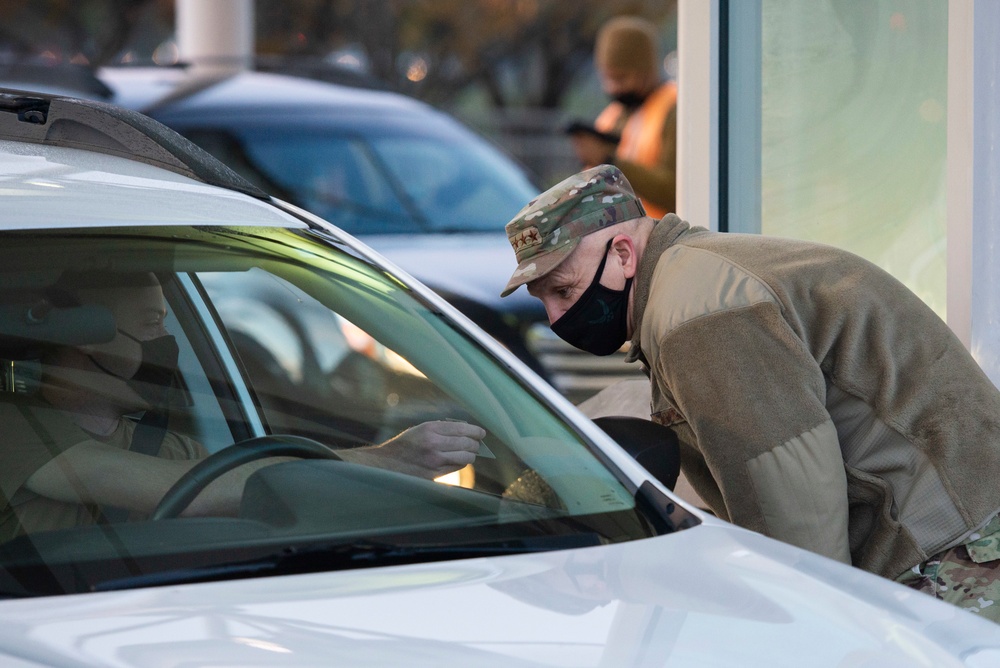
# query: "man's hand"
428,450
591,150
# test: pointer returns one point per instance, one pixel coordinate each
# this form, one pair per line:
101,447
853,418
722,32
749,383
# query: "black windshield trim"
26,572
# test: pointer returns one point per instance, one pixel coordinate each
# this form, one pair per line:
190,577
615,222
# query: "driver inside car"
71,457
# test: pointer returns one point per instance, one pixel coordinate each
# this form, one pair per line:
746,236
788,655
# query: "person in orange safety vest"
643,114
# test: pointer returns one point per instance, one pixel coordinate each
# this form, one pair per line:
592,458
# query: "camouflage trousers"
967,575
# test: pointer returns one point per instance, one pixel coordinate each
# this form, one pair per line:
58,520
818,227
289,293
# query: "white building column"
215,36
698,112
973,167
719,114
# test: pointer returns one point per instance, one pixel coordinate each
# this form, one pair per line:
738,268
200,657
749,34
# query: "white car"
554,548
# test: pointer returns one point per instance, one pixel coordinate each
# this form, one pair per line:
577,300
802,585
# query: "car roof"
67,162
60,187
174,92
104,128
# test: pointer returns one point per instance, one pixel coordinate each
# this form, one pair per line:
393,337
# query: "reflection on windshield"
246,390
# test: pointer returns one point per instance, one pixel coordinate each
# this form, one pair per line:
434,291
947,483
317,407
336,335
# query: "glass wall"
852,130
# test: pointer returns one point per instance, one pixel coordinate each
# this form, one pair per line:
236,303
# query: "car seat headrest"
27,327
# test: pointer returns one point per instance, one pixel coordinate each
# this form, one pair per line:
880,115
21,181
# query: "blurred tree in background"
86,32
515,70
523,53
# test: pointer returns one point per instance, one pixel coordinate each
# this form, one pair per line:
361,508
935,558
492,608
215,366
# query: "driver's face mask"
598,321
155,376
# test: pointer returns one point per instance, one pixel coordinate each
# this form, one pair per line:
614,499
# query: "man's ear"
624,248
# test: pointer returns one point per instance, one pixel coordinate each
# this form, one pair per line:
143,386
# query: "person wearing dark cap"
817,400
637,131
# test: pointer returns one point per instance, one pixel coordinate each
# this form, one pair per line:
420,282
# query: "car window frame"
215,353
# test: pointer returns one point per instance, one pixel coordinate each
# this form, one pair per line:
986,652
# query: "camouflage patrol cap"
546,231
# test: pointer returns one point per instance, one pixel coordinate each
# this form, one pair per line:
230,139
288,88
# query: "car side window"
314,373
460,185
331,175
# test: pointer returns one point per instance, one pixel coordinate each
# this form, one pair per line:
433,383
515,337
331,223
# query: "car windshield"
379,183
292,346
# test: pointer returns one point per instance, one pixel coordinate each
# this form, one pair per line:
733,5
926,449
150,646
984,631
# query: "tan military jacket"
818,400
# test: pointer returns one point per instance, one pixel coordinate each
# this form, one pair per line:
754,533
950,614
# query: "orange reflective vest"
642,132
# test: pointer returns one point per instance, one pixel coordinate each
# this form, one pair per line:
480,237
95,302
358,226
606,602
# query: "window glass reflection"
853,131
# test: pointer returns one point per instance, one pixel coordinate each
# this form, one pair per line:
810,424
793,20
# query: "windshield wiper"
343,556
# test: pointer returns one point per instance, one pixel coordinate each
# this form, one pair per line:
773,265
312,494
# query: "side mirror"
654,446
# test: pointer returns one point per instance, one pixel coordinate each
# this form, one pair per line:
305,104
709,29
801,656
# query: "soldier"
817,400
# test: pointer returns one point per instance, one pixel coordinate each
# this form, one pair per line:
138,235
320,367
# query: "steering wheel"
194,481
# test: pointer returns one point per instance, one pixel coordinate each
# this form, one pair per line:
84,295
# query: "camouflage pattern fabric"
549,227
967,575
530,487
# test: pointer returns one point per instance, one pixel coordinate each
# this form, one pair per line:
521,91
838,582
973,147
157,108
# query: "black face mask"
598,321
630,99
155,376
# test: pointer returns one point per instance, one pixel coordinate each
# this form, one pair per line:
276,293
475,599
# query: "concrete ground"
631,398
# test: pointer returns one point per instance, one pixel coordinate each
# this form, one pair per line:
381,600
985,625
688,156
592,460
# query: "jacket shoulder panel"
690,283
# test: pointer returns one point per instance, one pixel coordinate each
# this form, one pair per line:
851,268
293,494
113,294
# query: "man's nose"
552,311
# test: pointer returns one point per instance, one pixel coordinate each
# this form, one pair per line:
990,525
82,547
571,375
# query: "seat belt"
146,440
149,433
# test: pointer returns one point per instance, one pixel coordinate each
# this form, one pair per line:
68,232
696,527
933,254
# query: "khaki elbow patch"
802,490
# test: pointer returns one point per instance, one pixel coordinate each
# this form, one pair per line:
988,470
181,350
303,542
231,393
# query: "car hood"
744,600
475,266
